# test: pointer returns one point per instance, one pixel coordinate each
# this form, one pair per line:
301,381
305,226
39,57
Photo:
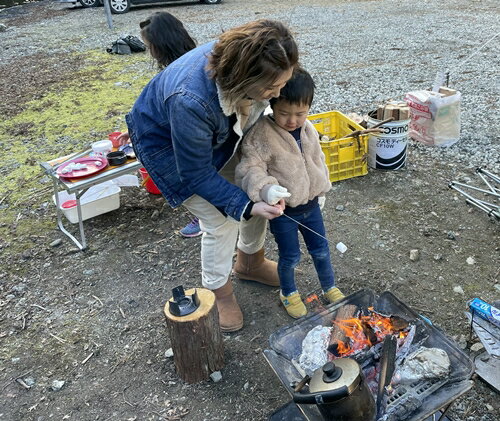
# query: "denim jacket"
180,131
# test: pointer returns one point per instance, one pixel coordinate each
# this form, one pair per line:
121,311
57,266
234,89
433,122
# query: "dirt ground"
94,319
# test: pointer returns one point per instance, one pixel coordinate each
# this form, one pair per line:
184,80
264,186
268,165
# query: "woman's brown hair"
252,55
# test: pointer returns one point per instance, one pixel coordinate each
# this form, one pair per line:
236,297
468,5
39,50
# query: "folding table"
80,185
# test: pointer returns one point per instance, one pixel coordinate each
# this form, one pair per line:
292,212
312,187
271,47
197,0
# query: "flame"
313,298
365,331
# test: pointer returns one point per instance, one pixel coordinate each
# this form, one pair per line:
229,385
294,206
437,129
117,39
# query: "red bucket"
148,183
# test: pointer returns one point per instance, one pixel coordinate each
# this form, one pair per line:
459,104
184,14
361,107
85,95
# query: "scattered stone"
30,381
462,342
490,407
155,215
56,243
246,386
3,27
476,347
438,257
470,260
414,255
57,385
216,376
458,290
497,287
339,208
19,288
88,272
451,235
169,353
15,360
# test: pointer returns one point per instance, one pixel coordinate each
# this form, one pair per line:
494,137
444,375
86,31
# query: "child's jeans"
285,232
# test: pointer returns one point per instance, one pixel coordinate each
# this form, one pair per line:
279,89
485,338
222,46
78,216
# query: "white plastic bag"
435,117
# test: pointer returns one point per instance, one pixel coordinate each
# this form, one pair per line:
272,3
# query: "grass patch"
66,119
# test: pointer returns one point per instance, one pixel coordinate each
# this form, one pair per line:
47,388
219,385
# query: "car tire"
119,6
210,1
90,3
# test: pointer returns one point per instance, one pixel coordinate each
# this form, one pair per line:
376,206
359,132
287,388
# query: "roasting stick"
317,233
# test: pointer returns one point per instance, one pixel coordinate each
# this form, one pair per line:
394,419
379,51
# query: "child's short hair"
298,90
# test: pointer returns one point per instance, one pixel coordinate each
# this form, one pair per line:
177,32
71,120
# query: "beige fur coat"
271,155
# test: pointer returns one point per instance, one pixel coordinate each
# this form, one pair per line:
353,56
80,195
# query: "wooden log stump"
196,339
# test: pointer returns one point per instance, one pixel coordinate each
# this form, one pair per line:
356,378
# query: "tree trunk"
196,339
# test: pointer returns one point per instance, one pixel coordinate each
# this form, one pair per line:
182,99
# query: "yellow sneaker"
293,305
333,295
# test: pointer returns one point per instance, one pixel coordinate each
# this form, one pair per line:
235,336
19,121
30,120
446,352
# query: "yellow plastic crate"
344,158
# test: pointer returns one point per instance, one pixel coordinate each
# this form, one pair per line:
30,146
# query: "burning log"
370,334
338,334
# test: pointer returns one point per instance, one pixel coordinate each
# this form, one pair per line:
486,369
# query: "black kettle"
340,392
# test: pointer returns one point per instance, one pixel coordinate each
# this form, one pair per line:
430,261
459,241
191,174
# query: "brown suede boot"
255,267
230,315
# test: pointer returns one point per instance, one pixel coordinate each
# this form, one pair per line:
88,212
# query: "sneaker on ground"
192,229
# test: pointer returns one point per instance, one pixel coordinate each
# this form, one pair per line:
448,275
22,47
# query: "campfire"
363,332
428,370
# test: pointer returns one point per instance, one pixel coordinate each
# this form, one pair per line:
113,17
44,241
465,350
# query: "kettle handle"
321,397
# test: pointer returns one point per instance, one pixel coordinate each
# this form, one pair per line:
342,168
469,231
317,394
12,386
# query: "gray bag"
119,47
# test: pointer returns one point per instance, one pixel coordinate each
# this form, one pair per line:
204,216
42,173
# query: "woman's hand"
267,211
123,139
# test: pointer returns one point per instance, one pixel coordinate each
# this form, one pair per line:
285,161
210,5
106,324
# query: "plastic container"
345,158
148,182
102,147
97,200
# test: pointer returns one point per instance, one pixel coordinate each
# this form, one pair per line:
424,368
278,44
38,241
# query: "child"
282,159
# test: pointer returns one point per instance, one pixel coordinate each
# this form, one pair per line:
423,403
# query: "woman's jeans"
285,232
220,233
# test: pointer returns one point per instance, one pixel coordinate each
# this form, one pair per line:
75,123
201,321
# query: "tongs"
76,155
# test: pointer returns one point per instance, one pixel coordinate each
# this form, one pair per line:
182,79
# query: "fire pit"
415,401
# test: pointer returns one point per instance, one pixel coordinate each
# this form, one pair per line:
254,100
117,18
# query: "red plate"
92,164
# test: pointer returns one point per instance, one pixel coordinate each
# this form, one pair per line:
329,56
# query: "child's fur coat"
271,155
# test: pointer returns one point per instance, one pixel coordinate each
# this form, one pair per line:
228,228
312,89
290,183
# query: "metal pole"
107,11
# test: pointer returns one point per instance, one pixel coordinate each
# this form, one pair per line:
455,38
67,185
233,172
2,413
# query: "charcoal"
402,410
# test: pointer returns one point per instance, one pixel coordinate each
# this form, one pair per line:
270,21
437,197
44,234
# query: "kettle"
340,391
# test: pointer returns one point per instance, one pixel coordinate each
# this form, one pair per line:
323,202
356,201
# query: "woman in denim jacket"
186,127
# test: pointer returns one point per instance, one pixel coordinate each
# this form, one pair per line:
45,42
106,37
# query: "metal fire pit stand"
491,208
80,186
290,412
436,395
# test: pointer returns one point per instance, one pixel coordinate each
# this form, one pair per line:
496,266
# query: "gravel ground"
360,53
104,305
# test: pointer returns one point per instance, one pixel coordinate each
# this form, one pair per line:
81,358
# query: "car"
123,6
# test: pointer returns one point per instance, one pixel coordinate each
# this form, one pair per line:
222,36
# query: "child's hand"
265,210
272,193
